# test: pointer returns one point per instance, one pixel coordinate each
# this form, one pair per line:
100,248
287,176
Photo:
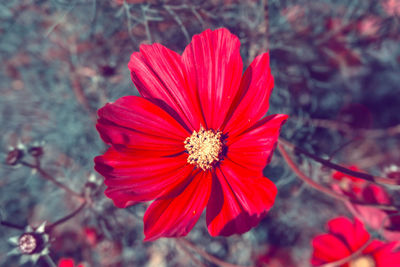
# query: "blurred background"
337,74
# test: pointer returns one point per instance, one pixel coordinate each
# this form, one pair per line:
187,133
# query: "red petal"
157,72
66,263
136,123
373,217
328,248
252,100
238,200
175,214
374,245
254,147
375,194
214,67
133,178
355,234
385,255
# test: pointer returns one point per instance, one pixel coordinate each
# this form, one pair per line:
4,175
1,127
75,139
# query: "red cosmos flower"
345,238
67,262
360,189
195,139
387,222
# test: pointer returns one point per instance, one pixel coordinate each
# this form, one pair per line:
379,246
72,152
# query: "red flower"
195,139
360,189
67,262
387,222
345,238
91,236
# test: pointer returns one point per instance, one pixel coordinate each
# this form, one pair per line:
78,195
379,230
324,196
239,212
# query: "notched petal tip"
221,32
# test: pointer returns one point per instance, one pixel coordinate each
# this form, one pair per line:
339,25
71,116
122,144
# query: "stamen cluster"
204,148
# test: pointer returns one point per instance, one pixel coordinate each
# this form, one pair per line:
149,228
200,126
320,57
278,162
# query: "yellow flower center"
204,148
363,261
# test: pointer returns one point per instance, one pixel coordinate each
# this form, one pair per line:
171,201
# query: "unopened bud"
35,151
14,156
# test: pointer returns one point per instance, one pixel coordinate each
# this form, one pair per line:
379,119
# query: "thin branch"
198,16
195,260
206,255
79,92
346,128
50,178
321,188
11,225
66,218
59,21
146,24
365,176
178,21
126,8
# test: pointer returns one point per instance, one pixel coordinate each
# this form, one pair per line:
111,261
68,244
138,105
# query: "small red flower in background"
91,236
361,189
196,138
386,222
345,238
67,262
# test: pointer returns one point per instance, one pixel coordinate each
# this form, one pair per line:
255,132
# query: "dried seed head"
27,243
204,148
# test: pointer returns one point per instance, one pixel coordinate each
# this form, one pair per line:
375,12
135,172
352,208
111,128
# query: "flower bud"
35,151
14,156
